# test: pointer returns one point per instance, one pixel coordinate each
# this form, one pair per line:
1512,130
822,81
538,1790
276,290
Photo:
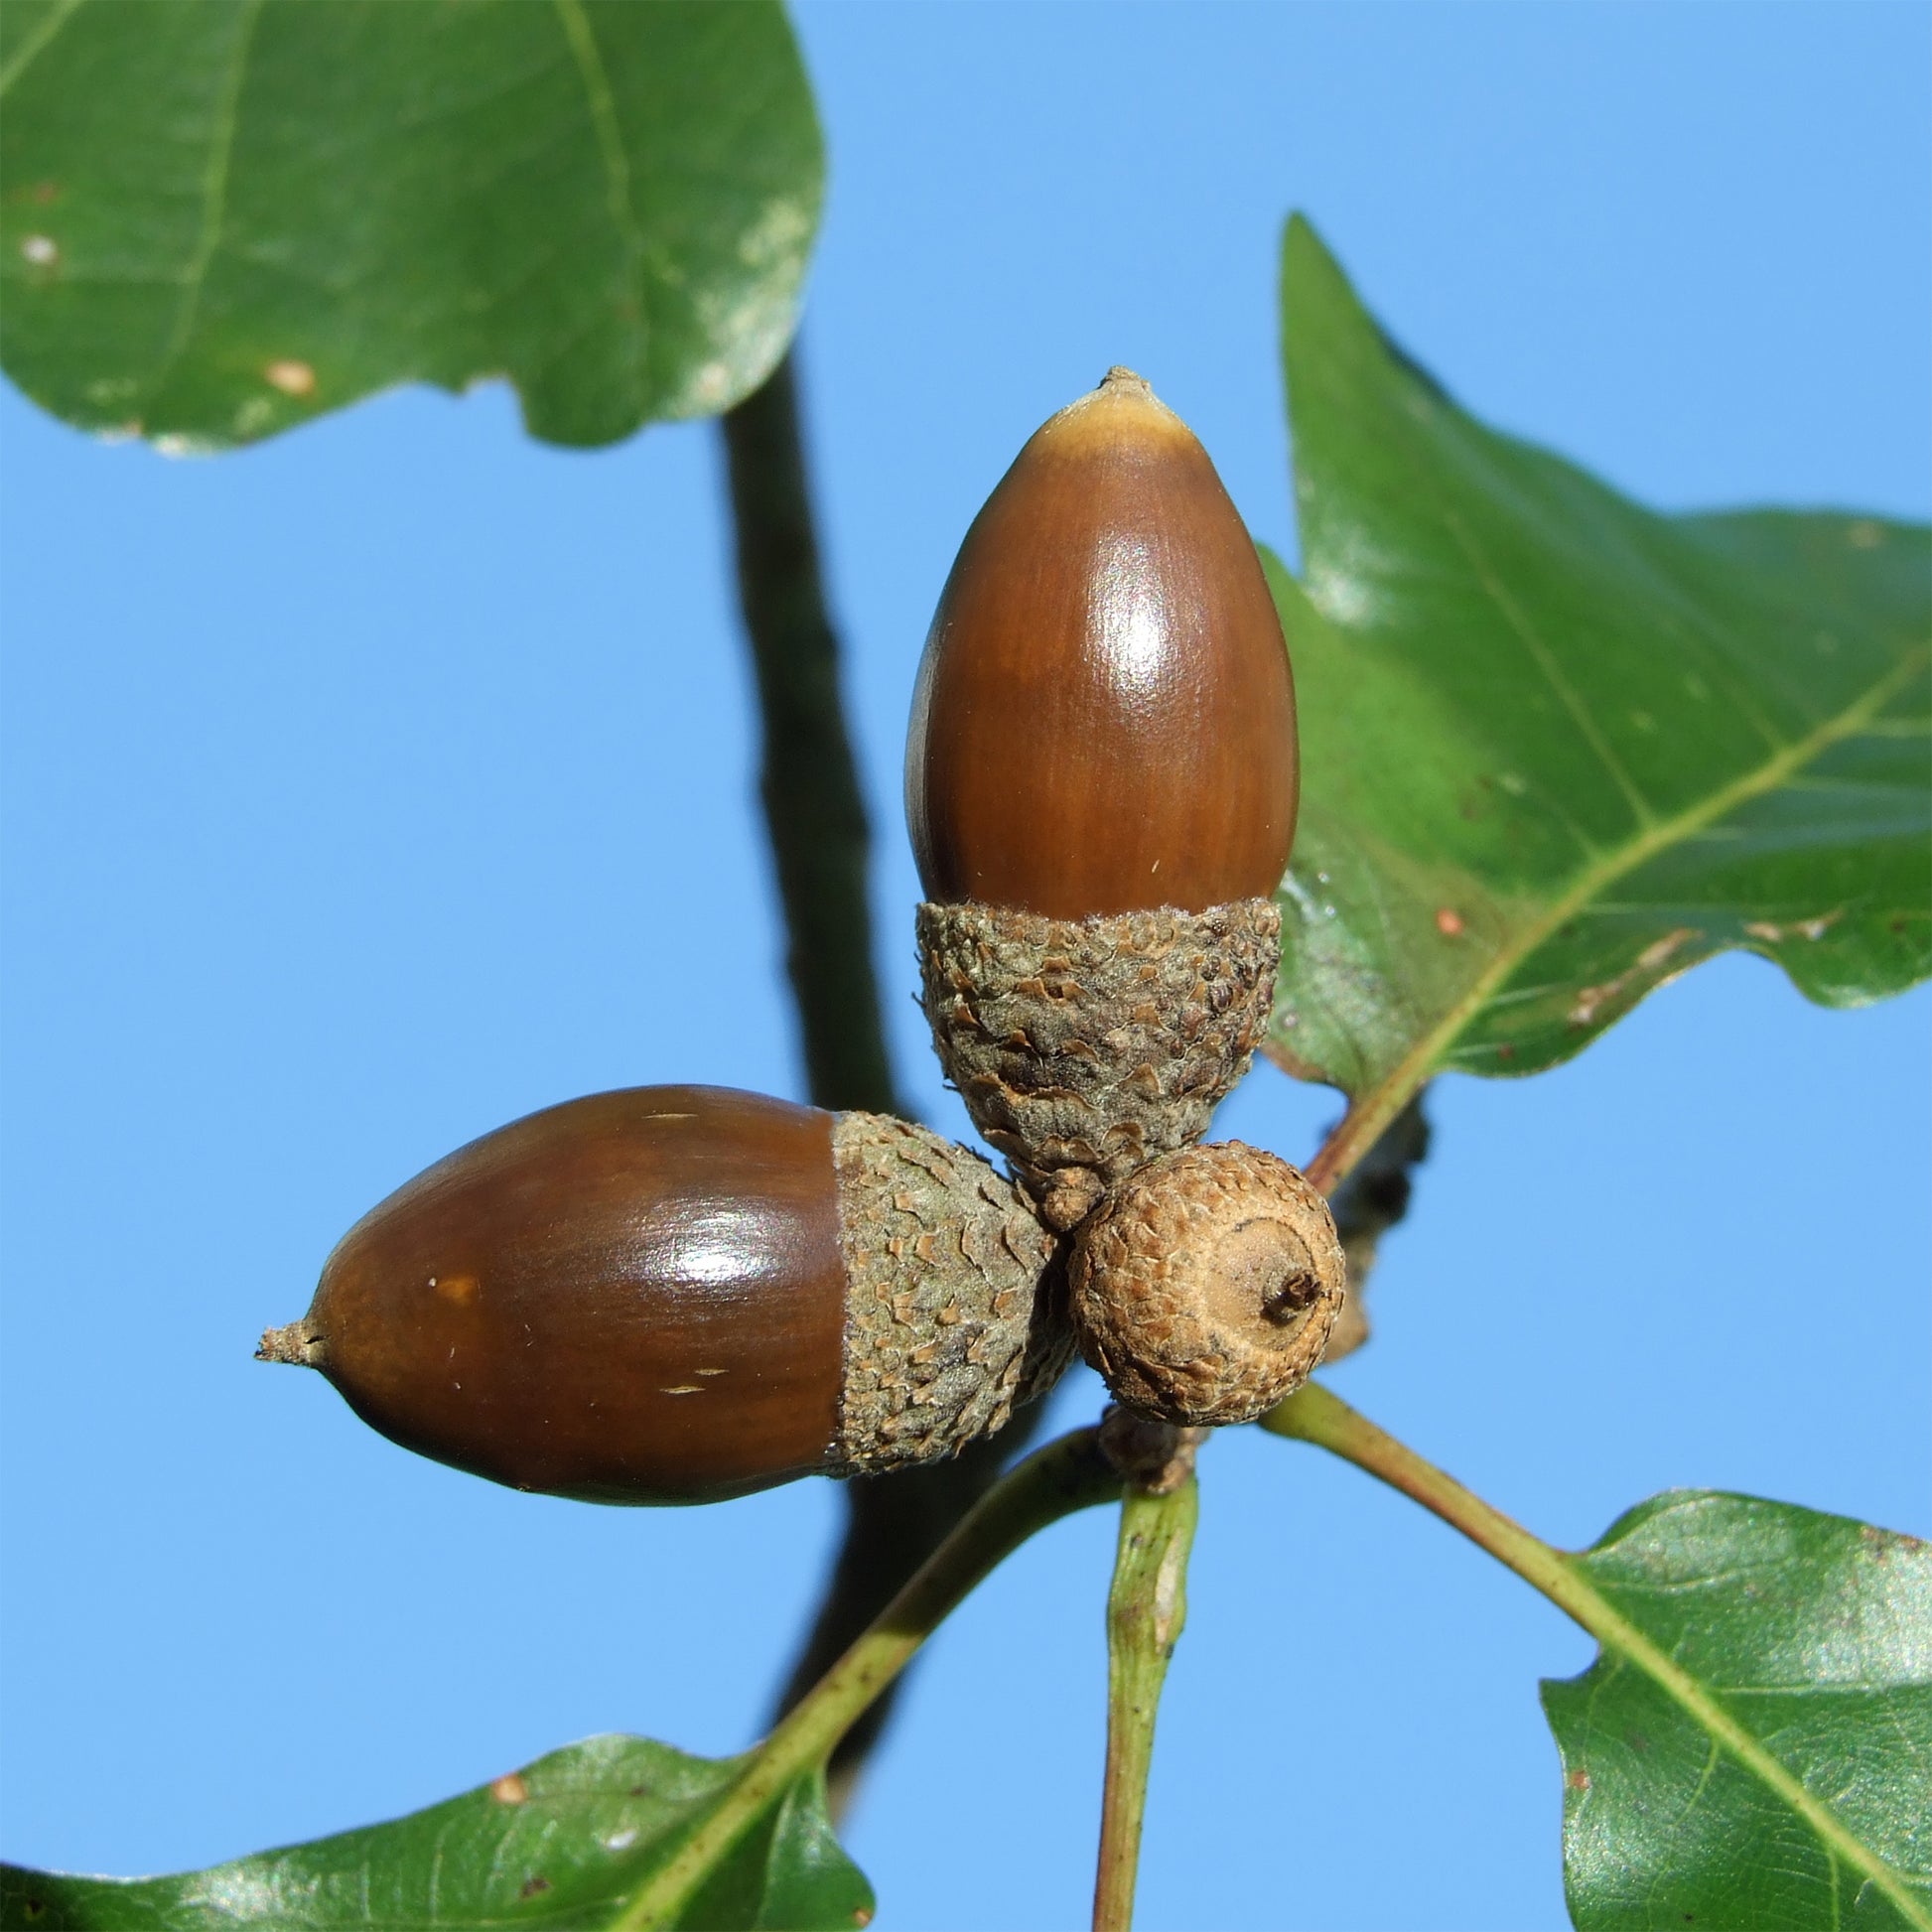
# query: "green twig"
893,1524
1146,1613
1068,1474
1313,1415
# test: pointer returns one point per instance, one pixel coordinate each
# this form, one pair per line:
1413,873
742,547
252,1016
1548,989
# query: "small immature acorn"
1204,1287
683,1293
1101,784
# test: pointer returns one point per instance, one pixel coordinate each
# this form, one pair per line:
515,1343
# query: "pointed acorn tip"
293,1344
1122,386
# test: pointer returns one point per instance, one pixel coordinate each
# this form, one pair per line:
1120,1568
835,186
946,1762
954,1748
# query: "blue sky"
372,788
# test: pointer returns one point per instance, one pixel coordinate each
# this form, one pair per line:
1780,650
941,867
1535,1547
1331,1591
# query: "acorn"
673,1294
1101,782
1205,1286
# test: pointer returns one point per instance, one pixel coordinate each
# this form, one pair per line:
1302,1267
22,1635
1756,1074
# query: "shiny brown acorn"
682,1293
1101,786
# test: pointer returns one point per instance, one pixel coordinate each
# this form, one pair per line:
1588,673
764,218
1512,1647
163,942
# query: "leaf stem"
1068,1474
1312,1414
1358,1129
1147,1611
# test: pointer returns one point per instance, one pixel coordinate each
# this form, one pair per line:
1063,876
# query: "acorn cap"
1083,1048
1104,719
1204,1289
954,1301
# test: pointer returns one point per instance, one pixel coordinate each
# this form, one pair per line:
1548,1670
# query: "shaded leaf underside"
560,1845
219,217
1556,748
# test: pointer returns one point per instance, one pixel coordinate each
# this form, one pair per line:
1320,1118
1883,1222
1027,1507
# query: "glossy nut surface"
1104,719
637,1296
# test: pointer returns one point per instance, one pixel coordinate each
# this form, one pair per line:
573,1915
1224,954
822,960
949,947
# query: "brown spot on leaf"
1578,1780
293,378
1815,928
1448,923
511,1789
1655,956
532,1885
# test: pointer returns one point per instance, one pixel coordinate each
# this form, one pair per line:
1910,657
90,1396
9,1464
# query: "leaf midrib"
214,211
602,108
1370,1112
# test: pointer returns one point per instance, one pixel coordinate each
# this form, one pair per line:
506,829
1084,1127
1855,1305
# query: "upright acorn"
682,1293
1101,781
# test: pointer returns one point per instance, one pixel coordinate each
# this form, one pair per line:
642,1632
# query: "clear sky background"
376,786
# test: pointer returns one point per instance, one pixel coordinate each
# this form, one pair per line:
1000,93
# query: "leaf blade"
218,219
564,1843
1754,1745
1558,747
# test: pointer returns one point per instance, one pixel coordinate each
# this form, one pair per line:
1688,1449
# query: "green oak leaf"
1558,747
221,217
1752,1749
560,1845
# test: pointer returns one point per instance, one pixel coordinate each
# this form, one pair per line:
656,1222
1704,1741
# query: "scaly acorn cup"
674,1294
1204,1287
1101,777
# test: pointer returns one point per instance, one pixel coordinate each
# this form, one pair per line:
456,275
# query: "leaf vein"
30,50
1547,664
616,177
214,210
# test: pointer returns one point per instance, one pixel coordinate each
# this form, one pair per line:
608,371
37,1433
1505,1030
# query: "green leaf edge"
22,1911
